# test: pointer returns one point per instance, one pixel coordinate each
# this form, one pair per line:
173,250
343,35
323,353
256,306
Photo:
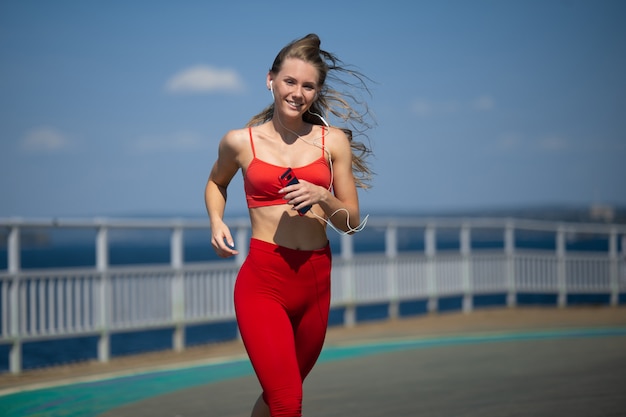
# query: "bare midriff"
283,226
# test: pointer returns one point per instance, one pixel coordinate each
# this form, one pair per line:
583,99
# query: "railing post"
430,239
391,252
509,251
14,266
102,266
178,288
347,256
242,244
466,253
614,267
621,265
560,268
14,251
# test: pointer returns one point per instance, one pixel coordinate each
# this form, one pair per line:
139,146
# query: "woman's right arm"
215,193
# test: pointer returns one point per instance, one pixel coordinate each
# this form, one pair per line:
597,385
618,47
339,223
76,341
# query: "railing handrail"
381,221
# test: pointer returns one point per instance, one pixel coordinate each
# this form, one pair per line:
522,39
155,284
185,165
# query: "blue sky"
115,108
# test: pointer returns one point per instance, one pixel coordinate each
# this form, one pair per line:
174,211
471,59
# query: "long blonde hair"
342,105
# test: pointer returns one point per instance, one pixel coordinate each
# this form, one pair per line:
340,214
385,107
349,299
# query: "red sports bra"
261,182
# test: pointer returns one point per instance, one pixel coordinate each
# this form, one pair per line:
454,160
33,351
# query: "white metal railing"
102,300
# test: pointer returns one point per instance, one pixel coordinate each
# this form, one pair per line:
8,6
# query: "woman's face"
294,87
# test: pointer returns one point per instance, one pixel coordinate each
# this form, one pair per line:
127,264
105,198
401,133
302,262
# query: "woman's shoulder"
235,139
336,137
333,132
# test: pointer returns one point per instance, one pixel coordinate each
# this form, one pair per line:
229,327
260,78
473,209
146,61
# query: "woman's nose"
297,91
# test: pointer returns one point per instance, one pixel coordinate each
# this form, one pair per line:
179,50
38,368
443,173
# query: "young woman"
282,292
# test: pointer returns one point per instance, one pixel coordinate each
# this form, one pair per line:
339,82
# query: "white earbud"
272,89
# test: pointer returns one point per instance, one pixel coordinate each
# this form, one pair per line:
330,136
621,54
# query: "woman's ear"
268,81
271,88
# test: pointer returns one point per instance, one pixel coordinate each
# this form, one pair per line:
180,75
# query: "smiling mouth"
294,104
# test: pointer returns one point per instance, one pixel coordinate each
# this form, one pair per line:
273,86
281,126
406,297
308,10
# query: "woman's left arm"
342,206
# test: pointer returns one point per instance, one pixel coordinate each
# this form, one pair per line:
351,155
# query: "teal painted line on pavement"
343,352
92,398
89,399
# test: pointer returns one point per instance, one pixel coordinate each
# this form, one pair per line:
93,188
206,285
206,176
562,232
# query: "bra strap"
252,142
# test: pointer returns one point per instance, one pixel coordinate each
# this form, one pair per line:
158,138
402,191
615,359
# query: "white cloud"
175,142
428,108
44,139
204,79
509,141
553,143
515,141
483,103
422,107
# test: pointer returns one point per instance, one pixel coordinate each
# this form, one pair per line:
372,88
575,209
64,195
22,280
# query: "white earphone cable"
361,225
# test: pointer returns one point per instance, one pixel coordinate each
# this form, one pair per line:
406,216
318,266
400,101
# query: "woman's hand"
222,241
303,194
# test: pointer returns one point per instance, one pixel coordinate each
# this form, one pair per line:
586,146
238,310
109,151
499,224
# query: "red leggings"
282,298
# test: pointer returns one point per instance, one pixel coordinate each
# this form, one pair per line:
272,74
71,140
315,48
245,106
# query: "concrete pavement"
503,362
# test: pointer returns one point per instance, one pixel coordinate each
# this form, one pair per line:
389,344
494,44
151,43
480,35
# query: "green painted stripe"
92,398
362,349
